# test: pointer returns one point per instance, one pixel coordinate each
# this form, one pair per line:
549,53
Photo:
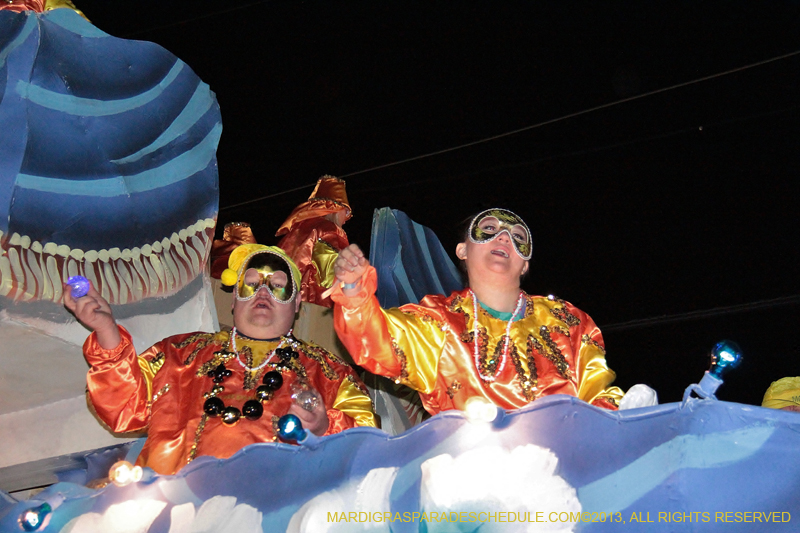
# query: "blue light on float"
79,286
290,428
32,519
724,356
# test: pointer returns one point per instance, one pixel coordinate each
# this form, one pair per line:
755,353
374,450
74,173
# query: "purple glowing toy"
79,286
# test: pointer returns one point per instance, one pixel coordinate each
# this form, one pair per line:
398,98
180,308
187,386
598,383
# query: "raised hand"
350,265
315,421
94,312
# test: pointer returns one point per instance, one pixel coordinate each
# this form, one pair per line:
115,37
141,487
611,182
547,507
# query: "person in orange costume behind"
39,6
313,237
490,340
783,394
214,393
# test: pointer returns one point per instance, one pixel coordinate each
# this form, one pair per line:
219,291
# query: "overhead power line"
202,16
705,313
528,128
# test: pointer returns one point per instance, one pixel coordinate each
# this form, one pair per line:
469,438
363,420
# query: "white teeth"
170,272
72,269
45,288
194,249
110,281
31,270
152,276
7,282
29,289
176,241
133,284
52,272
158,268
16,266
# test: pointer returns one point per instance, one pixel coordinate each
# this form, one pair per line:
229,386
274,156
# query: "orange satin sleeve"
594,375
118,388
387,343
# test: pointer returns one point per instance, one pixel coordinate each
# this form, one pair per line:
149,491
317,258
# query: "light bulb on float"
480,410
122,473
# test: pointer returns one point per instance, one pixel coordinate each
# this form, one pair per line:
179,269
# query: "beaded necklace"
476,350
266,360
272,381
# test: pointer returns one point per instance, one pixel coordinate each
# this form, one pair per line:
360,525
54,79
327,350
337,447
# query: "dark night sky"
676,202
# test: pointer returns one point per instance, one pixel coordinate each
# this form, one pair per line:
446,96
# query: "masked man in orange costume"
490,340
214,393
313,236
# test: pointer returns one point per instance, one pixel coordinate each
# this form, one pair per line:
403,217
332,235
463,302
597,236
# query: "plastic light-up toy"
479,410
123,473
725,355
33,519
290,428
79,286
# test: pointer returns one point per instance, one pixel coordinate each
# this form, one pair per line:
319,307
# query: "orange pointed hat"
329,196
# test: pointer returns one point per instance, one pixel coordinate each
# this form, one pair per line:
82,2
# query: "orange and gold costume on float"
554,348
312,241
164,389
39,6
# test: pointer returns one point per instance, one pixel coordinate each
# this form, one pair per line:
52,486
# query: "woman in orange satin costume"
312,236
201,393
490,340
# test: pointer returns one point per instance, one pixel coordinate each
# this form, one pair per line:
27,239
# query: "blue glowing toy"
79,286
291,429
32,519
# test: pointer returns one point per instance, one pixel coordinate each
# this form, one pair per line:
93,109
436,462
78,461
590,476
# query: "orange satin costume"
312,241
39,6
234,235
161,391
314,245
555,348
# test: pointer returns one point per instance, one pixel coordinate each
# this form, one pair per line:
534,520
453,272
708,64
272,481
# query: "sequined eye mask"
507,222
266,270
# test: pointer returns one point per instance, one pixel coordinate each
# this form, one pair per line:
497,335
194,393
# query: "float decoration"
689,466
109,162
725,356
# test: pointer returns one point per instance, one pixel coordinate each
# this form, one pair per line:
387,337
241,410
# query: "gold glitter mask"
266,270
489,224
